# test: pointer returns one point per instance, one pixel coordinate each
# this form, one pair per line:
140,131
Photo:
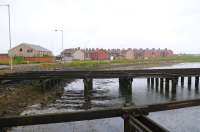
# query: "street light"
9,28
58,30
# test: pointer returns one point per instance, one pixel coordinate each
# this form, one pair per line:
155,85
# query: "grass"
87,64
173,59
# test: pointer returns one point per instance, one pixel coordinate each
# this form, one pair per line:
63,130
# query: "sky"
172,24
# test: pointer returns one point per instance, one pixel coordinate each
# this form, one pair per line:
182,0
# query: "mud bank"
15,98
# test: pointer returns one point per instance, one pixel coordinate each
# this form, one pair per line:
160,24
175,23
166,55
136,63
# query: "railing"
135,118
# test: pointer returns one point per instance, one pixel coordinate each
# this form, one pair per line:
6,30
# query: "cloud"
104,23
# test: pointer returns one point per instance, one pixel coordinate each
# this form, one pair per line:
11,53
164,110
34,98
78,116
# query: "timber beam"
92,114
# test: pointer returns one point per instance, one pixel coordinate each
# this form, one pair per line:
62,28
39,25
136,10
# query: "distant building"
99,54
114,53
128,54
73,54
67,54
110,54
78,55
29,50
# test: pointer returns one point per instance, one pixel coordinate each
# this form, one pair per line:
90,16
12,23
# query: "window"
29,51
20,50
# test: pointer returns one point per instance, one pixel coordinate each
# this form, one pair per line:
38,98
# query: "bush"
18,59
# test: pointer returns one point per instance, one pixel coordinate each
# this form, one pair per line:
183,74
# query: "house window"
20,49
29,51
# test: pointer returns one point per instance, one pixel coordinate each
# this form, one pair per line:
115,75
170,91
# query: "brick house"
168,52
29,50
99,54
4,58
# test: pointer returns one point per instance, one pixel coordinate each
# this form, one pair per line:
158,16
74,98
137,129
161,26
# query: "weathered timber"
189,82
182,82
167,85
144,124
125,83
125,89
127,127
88,84
152,82
161,84
148,82
196,82
101,74
157,83
174,83
91,114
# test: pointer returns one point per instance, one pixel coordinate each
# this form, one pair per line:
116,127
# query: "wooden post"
3,130
189,82
148,82
152,82
157,83
127,125
196,82
174,82
177,80
125,82
125,89
161,84
182,82
167,85
88,84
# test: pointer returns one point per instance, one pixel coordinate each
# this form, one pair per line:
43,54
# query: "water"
106,93
3,66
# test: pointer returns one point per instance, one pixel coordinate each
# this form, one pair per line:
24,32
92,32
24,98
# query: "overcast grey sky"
174,24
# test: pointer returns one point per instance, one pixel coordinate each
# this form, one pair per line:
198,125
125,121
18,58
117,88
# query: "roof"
71,50
33,46
2,54
36,47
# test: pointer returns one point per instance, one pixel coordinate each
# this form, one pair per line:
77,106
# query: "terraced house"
72,54
106,54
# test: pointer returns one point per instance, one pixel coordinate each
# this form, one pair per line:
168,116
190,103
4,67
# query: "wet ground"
3,66
106,93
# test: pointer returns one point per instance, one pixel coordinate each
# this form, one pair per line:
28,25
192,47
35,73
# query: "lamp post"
10,38
58,30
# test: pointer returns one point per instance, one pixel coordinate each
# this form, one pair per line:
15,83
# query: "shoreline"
16,104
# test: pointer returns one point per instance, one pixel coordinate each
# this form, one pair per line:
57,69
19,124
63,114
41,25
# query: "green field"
172,59
96,63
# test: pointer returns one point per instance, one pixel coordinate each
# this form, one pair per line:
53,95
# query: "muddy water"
3,66
106,93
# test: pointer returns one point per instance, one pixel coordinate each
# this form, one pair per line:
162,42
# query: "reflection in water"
108,93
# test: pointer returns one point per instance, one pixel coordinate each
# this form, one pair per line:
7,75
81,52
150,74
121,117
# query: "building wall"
25,51
129,55
78,55
67,58
102,55
4,58
40,59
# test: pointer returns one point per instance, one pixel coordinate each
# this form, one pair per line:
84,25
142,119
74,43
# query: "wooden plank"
172,105
146,124
92,114
104,74
60,117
